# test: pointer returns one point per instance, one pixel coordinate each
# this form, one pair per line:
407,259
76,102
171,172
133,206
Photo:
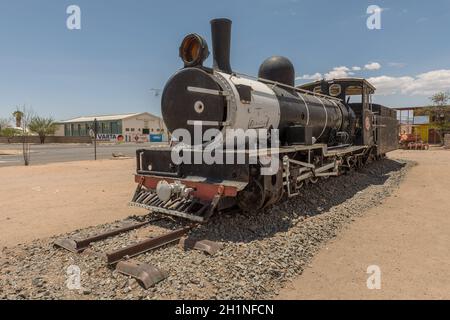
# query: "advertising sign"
138,138
109,137
156,138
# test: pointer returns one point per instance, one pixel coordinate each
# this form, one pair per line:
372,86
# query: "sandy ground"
407,237
45,200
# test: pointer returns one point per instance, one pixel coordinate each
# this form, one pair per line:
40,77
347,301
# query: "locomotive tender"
319,132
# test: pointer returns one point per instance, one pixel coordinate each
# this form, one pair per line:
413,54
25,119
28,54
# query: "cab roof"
353,85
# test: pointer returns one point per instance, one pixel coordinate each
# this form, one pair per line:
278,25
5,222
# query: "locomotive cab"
356,93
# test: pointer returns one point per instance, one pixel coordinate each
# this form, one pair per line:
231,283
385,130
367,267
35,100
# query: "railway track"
122,259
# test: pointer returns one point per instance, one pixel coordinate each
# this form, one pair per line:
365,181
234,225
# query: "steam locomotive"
320,129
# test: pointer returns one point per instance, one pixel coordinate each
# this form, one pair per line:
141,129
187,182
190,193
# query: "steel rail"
146,245
79,245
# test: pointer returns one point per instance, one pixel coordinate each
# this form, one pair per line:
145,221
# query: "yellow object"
422,130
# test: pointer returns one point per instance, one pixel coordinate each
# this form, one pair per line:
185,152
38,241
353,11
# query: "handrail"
275,83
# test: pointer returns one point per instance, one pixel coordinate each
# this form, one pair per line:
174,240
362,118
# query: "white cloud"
315,76
338,72
424,84
372,66
344,72
389,85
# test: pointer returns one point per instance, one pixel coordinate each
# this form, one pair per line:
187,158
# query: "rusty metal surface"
418,146
79,245
146,245
210,247
146,275
204,189
69,244
386,134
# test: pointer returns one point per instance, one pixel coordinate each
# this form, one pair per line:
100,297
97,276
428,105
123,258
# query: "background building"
132,127
430,124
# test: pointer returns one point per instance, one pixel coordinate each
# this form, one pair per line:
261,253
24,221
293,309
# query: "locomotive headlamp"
193,50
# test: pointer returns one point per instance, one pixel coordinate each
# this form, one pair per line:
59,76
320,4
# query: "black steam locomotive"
317,130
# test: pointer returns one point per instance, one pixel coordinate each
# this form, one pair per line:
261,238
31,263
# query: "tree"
43,127
18,115
440,99
4,123
440,124
6,130
9,133
23,116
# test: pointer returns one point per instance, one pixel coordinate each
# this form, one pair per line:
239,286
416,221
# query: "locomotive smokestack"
221,41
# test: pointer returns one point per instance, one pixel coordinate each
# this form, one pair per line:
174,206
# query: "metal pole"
95,138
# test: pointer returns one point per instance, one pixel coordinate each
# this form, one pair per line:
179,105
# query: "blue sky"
124,48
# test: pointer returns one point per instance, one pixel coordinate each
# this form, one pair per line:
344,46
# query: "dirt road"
41,201
407,237
11,154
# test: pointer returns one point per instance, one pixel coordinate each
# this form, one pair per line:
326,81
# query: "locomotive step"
190,209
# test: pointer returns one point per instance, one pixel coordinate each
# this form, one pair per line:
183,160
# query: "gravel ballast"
261,250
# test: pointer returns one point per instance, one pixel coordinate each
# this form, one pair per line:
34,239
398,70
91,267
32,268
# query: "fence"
49,139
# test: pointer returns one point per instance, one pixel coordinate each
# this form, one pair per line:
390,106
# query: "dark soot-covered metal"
177,104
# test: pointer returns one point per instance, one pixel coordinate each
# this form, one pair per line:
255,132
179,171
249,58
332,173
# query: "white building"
132,127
